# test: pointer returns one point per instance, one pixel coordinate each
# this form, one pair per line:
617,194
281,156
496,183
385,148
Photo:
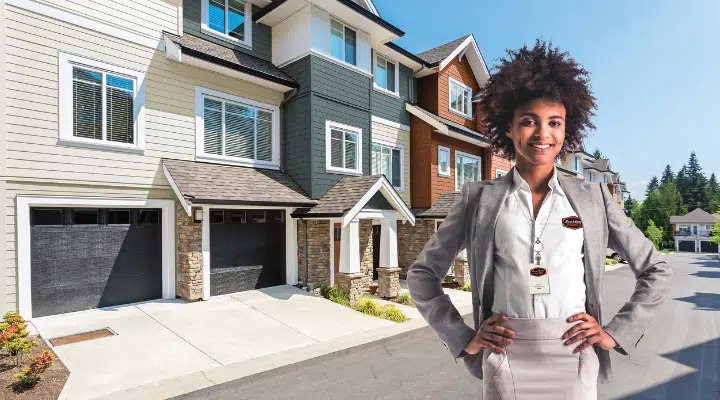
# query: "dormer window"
460,98
343,42
386,75
226,19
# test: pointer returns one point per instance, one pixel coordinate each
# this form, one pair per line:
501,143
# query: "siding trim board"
389,123
24,204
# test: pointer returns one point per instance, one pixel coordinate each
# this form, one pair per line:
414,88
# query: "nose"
542,132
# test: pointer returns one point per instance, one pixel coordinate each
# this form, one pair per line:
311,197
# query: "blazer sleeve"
425,275
653,277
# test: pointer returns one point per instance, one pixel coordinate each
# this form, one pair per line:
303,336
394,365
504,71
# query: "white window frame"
205,25
394,93
357,40
449,153
65,67
471,156
391,146
200,155
328,151
452,81
498,170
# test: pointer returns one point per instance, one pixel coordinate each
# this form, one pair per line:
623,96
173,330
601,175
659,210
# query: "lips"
540,147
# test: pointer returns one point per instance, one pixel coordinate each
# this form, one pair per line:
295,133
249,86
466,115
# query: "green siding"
379,202
340,84
296,143
261,34
389,107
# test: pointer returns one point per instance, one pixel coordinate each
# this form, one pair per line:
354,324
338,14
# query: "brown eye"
555,124
527,122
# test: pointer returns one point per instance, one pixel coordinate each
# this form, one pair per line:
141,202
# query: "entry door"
337,230
376,249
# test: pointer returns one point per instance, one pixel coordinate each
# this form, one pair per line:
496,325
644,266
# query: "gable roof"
434,56
440,208
448,127
439,57
696,216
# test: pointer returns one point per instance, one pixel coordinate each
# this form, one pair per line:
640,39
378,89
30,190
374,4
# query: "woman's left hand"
589,330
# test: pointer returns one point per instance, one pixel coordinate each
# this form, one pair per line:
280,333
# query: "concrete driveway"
164,339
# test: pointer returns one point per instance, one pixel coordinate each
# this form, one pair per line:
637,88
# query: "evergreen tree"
629,204
652,186
713,187
697,195
715,203
672,204
683,184
715,233
597,154
667,176
654,233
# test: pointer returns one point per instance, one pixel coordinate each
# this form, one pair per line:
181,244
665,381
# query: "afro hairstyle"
528,74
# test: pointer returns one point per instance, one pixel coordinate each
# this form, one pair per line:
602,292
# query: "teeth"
540,146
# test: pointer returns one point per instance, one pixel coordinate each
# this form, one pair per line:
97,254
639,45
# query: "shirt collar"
518,182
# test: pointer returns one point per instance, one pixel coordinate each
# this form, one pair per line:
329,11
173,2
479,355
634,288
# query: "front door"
336,243
376,249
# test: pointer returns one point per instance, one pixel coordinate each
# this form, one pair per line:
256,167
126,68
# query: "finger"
491,346
580,317
582,335
495,338
496,318
498,329
579,327
585,345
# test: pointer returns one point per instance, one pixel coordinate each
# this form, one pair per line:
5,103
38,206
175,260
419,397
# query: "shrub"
368,306
38,365
12,317
19,346
466,287
393,313
13,336
334,294
404,298
449,279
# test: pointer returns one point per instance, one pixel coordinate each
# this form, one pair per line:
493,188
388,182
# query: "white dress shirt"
562,255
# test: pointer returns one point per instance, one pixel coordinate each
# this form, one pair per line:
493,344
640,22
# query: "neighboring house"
448,147
693,230
581,164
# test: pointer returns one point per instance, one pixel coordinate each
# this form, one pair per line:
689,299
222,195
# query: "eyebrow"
536,116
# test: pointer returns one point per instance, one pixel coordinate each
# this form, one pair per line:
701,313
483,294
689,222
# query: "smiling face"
538,131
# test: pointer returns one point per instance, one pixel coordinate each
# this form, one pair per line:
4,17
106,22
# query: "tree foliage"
654,184
667,176
597,154
654,233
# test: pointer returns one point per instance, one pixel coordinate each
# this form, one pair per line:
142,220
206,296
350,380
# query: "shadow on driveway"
703,301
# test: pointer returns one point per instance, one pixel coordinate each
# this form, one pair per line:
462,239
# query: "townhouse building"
583,165
692,231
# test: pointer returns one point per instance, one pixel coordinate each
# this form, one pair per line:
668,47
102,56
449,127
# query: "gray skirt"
538,365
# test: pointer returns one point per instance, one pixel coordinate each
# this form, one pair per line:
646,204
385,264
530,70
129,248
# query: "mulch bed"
49,386
450,285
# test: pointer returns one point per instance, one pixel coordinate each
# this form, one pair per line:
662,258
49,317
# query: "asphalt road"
677,359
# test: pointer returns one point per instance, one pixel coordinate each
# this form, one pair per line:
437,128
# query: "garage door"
83,258
707,247
686,245
247,250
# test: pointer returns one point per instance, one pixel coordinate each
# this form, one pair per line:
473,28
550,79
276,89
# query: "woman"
536,244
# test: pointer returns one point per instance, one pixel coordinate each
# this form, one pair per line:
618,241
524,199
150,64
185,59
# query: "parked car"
613,255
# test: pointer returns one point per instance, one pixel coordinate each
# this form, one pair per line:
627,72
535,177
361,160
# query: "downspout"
305,252
292,94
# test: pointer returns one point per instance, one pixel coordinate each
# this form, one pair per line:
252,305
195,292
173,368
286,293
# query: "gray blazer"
470,225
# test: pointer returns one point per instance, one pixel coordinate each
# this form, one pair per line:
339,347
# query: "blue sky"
654,64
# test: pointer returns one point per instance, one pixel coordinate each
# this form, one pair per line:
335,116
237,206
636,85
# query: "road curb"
617,266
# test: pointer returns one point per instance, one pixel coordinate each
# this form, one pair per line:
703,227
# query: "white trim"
392,146
200,95
459,153
439,126
65,82
449,153
180,17
175,189
332,18
87,23
377,215
462,48
23,239
385,187
469,102
394,93
500,170
329,59
205,25
206,253
291,248
389,123
353,129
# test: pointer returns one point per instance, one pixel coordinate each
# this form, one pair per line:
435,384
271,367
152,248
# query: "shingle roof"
196,47
455,126
696,216
343,196
204,183
441,207
435,55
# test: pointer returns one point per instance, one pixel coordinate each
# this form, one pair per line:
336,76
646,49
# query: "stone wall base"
461,271
352,284
389,282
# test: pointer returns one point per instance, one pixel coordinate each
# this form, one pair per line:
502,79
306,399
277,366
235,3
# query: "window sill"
460,114
100,146
444,175
208,158
226,38
343,171
385,91
341,63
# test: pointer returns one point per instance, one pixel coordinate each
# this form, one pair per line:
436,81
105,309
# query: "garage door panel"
686,245
708,247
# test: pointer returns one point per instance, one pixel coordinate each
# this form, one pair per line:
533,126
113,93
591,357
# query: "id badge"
539,282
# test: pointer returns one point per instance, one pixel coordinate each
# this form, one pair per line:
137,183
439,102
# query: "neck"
536,176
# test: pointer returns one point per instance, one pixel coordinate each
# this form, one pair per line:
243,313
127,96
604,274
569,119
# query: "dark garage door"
247,250
686,245
89,258
707,247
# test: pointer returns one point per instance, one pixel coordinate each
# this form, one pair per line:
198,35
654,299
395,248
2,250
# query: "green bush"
13,336
334,294
371,307
394,314
466,287
404,298
38,365
449,279
608,261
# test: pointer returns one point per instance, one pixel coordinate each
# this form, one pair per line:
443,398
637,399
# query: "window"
149,217
388,160
604,178
100,104
237,216
460,98
577,164
217,216
256,217
499,173
236,130
343,42
47,217
118,217
443,161
343,148
226,19
85,217
386,75
275,216
467,169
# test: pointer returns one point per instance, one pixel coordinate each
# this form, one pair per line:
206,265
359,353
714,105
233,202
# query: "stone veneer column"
189,256
461,270
411,240
389,281
352,284
318,252
366,252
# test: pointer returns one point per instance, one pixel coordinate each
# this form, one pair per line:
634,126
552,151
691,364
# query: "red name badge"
538,271
572,222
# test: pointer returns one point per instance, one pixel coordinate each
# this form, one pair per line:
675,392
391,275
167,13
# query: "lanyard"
537,244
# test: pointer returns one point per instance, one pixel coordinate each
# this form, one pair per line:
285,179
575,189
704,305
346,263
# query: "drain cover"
81,337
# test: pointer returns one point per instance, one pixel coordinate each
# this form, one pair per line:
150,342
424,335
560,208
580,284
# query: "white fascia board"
477,64
176,190
426,72
439,126
385,187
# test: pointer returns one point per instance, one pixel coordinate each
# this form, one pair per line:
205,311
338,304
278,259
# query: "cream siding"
37,165
146,17
392,135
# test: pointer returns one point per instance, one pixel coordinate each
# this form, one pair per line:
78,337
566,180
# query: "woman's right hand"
491,336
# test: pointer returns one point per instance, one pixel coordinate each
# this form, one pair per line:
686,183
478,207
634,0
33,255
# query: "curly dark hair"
542,72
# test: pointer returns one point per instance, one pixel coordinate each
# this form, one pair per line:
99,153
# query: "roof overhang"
207,62
365,19
399,54
383,186
469,50
444,128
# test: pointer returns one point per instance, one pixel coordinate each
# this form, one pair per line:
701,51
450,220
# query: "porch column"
350,248
388,243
